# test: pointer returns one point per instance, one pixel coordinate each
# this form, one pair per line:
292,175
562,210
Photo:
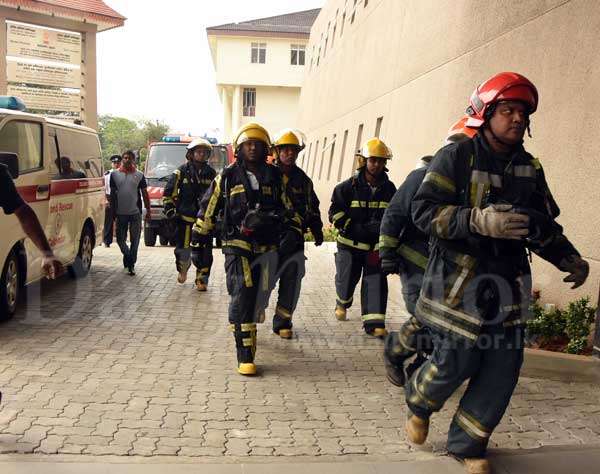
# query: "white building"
259,66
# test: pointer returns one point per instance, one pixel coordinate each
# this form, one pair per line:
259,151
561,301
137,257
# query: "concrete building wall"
415,63
88,66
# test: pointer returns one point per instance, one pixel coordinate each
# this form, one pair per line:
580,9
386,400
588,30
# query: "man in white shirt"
109,215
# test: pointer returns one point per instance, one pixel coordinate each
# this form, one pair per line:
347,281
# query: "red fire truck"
164,157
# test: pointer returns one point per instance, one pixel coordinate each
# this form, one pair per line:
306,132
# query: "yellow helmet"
290,137
375,148
251,131
199,142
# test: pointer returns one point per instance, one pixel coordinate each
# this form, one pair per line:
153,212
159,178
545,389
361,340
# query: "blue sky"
158,65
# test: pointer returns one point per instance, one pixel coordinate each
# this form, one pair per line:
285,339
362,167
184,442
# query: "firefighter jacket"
185,189
299,188
398,235
472,279
357,208
231,195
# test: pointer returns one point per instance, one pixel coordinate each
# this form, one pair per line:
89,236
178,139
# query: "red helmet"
502,86
460,130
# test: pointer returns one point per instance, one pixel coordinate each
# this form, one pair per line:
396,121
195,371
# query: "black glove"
318,235
577,268
391,266
170,211
199,240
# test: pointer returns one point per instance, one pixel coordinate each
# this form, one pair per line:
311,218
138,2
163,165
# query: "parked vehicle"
60,176
164,157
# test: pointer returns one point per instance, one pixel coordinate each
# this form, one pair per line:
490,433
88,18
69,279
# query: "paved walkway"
118,366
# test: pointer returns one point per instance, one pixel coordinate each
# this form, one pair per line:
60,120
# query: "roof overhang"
256,34
69,10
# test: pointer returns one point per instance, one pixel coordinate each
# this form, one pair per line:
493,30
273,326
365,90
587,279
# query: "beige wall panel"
420,73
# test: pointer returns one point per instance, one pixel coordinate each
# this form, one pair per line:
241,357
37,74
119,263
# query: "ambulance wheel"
83,260
149,237
164,240
10,287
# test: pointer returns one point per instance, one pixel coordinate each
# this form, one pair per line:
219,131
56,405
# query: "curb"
559,366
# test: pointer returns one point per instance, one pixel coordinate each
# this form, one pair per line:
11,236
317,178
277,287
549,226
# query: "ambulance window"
83,150
53,149
24,139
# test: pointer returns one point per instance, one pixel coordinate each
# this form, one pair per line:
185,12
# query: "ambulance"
164,157
57,169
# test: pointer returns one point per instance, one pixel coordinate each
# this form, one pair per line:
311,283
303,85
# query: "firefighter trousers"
491,365
247,283
350,265
413,337
202,258
291,269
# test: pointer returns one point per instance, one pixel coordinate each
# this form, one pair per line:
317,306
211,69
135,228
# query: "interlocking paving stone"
112,365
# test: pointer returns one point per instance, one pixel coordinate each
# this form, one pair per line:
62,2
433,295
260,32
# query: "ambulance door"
25,137
57,229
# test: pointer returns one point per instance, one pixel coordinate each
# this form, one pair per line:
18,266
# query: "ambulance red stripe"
61,188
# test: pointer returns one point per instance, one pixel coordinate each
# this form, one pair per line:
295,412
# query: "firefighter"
357,206
181,200
485,203
256,212
404,249
299,188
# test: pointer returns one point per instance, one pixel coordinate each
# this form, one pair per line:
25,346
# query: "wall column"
3,47
226,114
236,109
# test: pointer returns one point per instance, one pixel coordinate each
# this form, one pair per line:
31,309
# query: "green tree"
118,134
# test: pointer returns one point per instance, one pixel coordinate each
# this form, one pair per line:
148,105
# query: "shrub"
330,234
569,328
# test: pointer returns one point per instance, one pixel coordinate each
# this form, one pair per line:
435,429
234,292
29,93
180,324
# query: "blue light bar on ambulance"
171,139
12,103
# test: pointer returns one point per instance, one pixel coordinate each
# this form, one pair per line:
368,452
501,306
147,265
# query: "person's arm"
315,224
551,244
210,205
145,197
397,216
339,208
33,229
170,194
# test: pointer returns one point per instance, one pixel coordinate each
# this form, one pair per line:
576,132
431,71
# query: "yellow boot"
379,332
285,333
201,286
248,368
477,466
417,429
340,313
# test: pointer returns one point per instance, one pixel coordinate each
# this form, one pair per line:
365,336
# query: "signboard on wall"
36,42
47,99
43,74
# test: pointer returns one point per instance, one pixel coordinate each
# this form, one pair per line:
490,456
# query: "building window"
249,102
307,156
322,156
342,155
258,53
366,3
315,154
319,56
358,143
331,152
298,57
378,126
333,35
342,24
353,12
